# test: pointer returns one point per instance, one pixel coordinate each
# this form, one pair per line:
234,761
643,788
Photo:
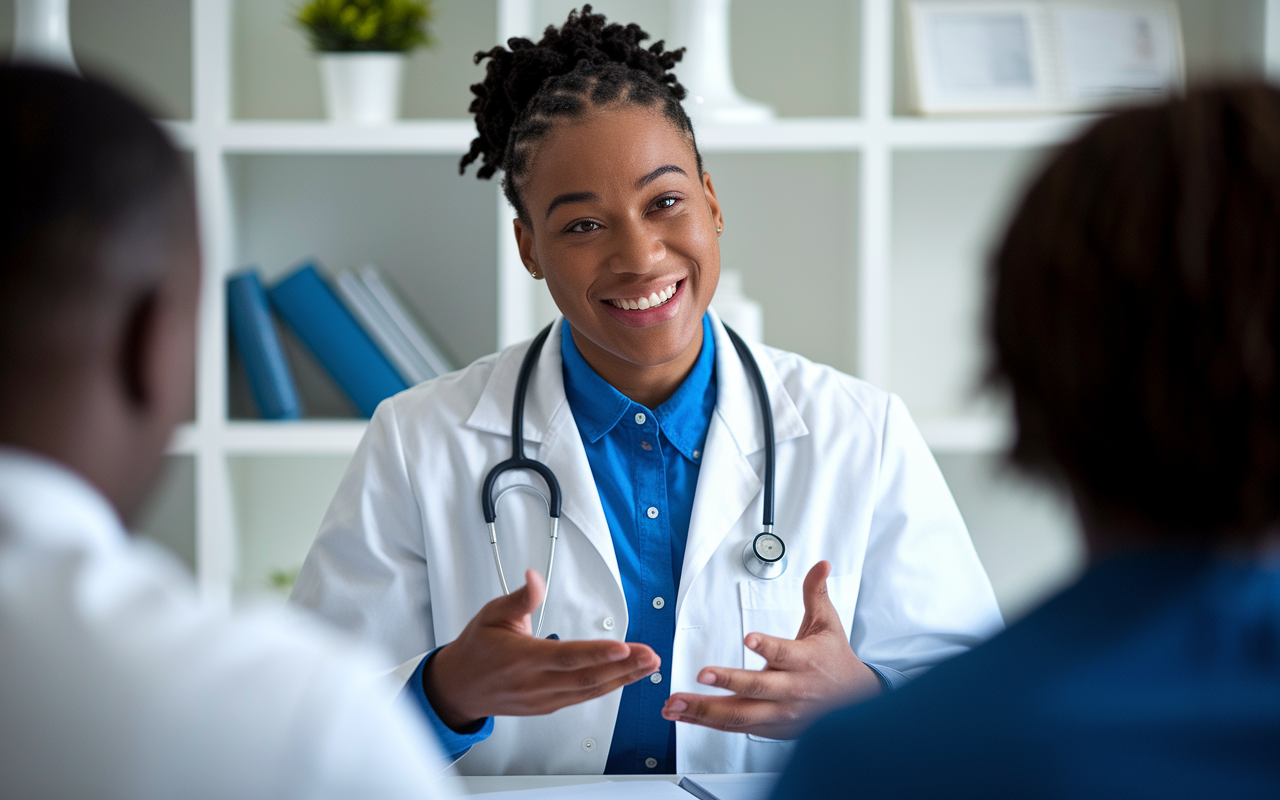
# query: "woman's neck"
650,385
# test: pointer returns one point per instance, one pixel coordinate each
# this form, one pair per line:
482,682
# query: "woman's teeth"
652,301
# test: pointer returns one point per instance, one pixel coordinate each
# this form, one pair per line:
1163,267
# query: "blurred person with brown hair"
114,681
1135,317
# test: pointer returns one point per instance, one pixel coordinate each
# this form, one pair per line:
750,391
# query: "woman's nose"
637,249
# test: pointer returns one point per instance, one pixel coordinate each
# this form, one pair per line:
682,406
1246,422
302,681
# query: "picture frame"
1017,56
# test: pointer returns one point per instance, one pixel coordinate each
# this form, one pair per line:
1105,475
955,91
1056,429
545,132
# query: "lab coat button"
655,677
589,744
607,624
651,762
652,512
658,602
640,418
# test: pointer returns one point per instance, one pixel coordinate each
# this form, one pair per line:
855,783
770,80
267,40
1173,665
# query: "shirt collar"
597,406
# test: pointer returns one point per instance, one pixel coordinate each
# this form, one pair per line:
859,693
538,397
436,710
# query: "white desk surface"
483,784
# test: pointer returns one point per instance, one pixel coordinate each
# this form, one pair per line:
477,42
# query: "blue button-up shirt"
645,464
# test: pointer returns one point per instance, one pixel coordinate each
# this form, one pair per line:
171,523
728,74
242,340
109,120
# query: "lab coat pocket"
776,608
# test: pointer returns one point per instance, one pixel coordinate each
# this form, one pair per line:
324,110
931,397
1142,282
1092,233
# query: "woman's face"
623,228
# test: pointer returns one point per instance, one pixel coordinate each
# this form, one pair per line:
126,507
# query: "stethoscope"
765,556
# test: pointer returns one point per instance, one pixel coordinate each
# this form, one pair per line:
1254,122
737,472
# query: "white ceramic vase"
703,27
362,88
736,310
42,35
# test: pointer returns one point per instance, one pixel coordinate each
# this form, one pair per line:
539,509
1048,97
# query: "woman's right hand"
497,668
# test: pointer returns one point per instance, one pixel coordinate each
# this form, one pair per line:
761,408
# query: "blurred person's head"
1136,318
99,279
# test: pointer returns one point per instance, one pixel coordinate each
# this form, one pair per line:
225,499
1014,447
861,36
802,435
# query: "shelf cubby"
143,45
279,502
429,230
948,212
275,76
789,230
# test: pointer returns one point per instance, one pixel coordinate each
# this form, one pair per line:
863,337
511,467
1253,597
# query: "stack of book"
360,333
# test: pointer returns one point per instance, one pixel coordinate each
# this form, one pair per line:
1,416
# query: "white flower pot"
362,88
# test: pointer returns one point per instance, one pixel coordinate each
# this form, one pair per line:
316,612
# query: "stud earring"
719,229
534,275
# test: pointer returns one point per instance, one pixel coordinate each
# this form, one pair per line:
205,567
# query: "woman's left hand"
802,679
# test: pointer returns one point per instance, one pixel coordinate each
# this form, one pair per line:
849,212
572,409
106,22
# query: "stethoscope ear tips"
765,556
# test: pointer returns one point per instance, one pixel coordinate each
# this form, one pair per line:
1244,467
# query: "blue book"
309,306
254,336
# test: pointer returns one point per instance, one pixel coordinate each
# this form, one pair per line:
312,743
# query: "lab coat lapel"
549,423
728,485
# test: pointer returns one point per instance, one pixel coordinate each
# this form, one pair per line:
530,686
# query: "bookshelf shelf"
184,441
958,134
966,435
445,137
863,232
306,437
851,133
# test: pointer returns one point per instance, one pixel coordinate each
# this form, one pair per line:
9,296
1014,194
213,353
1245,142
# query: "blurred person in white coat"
114,681
641,404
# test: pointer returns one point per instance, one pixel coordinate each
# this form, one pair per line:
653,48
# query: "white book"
417,339
382,330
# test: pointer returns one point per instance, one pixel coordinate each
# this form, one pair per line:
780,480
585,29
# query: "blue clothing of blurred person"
1135,318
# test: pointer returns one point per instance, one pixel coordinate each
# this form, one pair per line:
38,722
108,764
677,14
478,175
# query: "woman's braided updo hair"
585,62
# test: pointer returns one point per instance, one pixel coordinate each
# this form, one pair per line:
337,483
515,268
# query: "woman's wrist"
444,694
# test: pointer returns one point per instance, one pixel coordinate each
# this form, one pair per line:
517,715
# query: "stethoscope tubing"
518,460
766,421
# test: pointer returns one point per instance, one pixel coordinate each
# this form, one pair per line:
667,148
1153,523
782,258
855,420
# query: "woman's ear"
528,253
713,203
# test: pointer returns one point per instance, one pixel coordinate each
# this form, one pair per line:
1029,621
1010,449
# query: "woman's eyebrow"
571,197
657,173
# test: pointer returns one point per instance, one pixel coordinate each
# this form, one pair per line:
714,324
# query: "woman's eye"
585,226
665,202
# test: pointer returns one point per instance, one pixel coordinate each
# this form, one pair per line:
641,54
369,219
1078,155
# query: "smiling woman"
641,406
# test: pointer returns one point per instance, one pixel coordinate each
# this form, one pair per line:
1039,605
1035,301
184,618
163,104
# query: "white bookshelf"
848,302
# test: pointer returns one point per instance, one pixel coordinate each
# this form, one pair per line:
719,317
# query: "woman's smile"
644,310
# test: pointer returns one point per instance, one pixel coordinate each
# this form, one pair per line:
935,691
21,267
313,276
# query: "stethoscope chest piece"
765,556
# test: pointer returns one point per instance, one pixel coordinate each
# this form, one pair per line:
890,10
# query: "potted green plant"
362,46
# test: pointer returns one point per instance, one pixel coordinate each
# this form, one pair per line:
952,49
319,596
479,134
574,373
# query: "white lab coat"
115,683
403,554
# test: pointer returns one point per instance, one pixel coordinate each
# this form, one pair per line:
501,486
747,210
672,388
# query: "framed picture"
1002,56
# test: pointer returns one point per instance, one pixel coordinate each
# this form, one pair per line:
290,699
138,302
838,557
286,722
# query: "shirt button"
655,677
652,512
589,744
646,446
607,624
697,454
640,418
658,602
651,762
